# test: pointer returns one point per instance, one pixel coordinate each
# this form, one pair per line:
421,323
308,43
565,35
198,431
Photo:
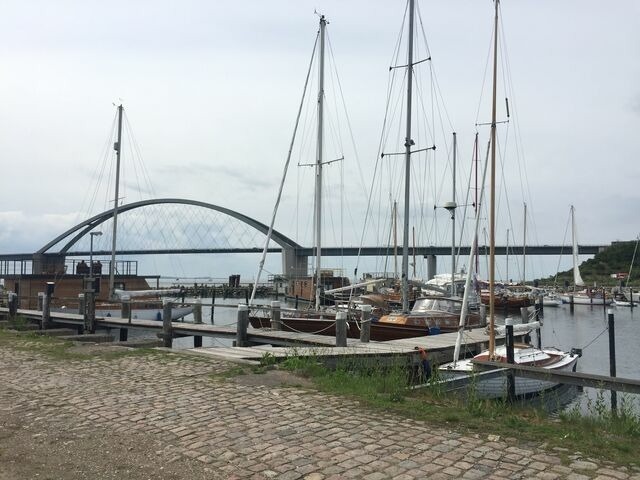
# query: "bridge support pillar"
294,265
432,266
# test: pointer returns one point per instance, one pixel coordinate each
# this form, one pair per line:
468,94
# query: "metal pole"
492,222
118,148
318,210
612,360
453,220
408,142
524,248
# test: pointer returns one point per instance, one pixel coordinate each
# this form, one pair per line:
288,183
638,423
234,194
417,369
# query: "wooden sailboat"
550,358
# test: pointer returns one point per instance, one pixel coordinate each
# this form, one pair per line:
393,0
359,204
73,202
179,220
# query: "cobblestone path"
255,431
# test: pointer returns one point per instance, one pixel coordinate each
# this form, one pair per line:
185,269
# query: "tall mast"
524,247
118,148
452,209
407,174
475,203
318,203
492,222
395,239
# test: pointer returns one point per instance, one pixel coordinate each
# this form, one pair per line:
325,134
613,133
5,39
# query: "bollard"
341,329
524,313
511,380
12,299
612,360
540,307
365,325
213,302
197,311
197,319
276,322
243,324
46,306
571,304
90,312
82,306
167,334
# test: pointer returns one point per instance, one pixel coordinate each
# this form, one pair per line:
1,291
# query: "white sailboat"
586,296
550,358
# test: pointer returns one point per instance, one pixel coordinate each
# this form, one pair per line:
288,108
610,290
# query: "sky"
211,91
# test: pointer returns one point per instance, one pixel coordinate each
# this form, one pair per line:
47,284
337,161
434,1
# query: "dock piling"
197,319
167,333
341,329
365,326
612,360
213,302
46,306
13,305
511,380
571,304
276,322
243,324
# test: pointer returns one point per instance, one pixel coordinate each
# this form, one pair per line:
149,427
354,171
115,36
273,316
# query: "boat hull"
584,300
326,326
496,387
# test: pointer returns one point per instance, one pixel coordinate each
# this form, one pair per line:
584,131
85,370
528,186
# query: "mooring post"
167,333
540,307
197,311
341,329
243,324
197,319
511,379
90,311
296,304
631,297
612,360
46,306
276,322
82,306
12,299
524,313
246,295
213,301
365,325
571,304
125,307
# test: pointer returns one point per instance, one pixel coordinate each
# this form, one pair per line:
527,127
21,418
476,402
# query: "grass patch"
598,434
58,349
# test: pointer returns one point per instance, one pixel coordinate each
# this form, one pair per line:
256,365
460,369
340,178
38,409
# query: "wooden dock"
280,344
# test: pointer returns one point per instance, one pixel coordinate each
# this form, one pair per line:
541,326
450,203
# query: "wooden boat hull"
326,326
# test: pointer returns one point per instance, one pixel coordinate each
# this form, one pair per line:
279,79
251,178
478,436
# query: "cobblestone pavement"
257,431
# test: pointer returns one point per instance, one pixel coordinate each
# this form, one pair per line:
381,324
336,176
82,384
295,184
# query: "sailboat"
524,354
149,308
587,296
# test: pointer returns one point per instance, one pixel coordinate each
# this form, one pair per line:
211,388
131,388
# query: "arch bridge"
182,226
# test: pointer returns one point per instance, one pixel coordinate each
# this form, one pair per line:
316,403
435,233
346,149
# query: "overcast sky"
211,91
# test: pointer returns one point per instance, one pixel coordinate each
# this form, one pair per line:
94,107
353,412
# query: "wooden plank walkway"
304,343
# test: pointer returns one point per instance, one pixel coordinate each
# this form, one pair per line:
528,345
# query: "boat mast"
118,148
524,247
395,239
492,222
452,209
318,211
407,174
